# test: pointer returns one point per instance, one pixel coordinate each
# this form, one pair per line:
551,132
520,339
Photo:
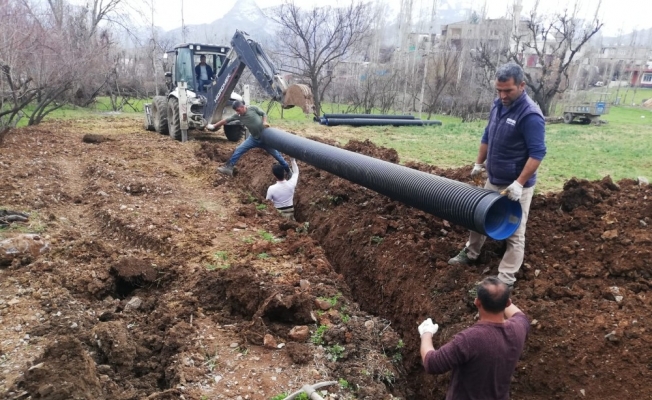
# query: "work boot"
288,174
461,259
226,170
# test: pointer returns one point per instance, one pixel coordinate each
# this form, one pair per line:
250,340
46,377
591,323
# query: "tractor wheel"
568,118
174,124
234,132
160,114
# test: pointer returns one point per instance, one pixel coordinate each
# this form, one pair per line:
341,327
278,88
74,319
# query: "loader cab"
183,59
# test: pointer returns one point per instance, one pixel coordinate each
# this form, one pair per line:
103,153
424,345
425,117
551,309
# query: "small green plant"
318,336
248,239
344,384
268,236
250,198
335,352
397,358
345,318
331,300
400,344
261,206
263,256
221,255
376,240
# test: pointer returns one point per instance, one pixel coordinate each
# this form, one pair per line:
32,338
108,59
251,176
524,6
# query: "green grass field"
621,148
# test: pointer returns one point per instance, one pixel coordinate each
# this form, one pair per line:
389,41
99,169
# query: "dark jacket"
513,135
209,72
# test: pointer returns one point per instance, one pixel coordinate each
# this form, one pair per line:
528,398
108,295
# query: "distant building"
641,77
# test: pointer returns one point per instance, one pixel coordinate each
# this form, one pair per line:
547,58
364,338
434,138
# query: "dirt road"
163,279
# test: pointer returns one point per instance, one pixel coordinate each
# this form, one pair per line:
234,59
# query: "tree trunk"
315,95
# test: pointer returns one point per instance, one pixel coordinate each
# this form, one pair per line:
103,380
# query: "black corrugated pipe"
375,116
376,122
481,210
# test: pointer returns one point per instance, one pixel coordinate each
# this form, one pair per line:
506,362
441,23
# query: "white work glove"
514,191
477,170
428,326
210,127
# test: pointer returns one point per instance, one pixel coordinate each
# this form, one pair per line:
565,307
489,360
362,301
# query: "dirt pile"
584,282
166,280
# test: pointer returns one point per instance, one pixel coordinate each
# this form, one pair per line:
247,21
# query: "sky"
625,15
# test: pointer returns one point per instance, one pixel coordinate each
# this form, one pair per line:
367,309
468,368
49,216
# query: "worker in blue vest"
511,150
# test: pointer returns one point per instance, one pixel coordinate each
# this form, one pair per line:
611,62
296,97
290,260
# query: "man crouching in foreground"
482,357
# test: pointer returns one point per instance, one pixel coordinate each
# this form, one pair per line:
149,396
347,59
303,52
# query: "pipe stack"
373,120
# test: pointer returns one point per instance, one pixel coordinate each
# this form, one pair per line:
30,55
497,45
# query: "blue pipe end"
501,216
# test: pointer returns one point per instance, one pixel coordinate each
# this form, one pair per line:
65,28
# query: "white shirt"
203,75
282,192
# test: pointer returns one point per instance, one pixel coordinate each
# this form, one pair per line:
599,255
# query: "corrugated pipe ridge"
478,209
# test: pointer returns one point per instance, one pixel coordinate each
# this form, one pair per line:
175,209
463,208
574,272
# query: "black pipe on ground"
480,210
376,122
374,116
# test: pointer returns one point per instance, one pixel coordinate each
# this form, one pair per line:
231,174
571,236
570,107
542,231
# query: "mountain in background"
247,16
639,38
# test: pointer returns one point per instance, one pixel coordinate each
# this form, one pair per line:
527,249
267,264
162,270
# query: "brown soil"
165,280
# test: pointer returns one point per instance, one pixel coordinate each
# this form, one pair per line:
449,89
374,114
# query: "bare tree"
441,75
318,39
551,44
52,54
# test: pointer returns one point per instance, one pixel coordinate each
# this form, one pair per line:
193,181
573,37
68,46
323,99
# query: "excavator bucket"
300,96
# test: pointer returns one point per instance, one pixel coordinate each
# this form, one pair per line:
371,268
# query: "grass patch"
221,258
318,337
268,236
620,148
335,352
331,300
263,256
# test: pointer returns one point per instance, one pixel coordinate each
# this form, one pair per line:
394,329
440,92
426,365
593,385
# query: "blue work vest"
507,150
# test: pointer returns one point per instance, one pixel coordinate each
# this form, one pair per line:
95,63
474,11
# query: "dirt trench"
584,283
164,279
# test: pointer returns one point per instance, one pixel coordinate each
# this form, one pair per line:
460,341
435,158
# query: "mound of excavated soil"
165,280
587,269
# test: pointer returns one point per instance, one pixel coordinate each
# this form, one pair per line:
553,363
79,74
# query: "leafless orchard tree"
442,74
555,41
313,41
53,53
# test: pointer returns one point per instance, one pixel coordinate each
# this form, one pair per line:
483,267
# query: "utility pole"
431,31
154,49
183,25
405,27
